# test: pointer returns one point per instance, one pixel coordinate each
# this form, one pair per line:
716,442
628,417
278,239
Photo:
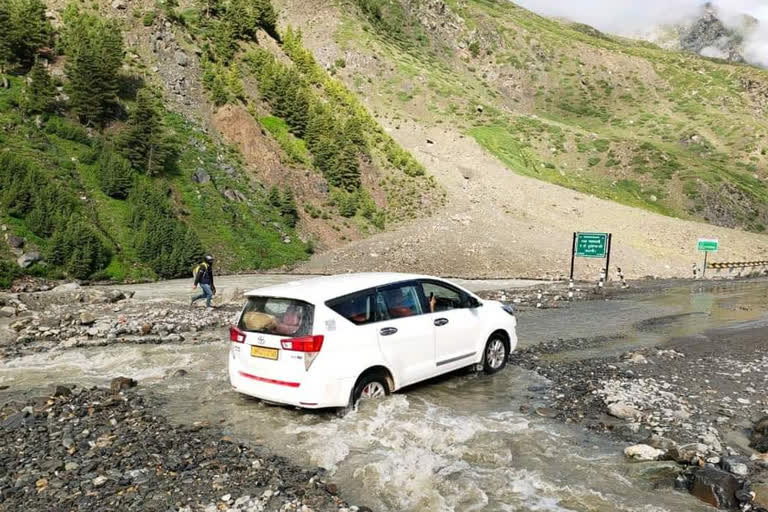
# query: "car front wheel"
495,355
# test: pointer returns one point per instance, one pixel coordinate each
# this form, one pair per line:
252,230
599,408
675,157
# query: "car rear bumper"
312,392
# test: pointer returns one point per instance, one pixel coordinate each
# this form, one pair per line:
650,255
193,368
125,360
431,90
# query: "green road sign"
591,245
707,245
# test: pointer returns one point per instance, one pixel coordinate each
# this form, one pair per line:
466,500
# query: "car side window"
445,298
400,301
358,309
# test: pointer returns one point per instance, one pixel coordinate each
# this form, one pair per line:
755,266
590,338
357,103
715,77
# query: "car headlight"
509,308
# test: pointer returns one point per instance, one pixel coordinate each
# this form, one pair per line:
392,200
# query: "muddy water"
454,444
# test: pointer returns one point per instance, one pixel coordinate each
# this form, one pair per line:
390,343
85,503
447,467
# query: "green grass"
295,148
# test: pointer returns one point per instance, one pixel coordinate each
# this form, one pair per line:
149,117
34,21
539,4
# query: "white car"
329,341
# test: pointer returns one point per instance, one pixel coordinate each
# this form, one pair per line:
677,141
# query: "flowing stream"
458,443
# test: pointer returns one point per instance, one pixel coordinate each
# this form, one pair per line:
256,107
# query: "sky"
632,17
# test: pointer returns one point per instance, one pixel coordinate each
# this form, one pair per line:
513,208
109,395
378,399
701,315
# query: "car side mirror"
473,303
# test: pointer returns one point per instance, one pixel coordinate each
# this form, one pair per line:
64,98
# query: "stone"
120,383
71,466
643,452
547,412
146,329
660,443
87,318
8,311
68,287
181,58
332,489
736,465
62,391
16,242
201,177
119,4
115,296
623,411
711,441
99,481
28,259
715,487
638,359
180,373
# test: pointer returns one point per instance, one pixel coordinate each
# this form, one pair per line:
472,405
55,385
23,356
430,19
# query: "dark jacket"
204,274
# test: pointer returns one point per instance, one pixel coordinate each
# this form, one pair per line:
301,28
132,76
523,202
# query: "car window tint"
401,301
358,309
445,298
274,315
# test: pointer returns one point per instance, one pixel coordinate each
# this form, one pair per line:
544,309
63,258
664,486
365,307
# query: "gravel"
92,449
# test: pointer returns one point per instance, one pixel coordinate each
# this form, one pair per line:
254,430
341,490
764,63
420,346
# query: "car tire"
495,354
371,385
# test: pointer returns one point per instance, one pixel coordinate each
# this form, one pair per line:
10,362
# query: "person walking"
204,278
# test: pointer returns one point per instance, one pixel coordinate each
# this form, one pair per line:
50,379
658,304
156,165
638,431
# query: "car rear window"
358,308
278,316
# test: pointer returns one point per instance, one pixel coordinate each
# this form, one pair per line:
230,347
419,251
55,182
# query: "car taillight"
304,344
236,335
309,345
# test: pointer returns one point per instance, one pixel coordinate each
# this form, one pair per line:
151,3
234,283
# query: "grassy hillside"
624,120
244,234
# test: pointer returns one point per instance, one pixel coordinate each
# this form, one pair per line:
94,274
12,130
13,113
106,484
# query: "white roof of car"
320,289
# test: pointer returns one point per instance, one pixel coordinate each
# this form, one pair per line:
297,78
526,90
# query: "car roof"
321,289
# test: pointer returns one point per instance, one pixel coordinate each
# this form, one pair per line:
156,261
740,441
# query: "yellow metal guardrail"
742,264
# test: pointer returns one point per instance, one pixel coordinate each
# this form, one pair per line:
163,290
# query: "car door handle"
388,331
441,322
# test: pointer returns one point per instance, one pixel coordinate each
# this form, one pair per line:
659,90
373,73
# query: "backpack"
197,268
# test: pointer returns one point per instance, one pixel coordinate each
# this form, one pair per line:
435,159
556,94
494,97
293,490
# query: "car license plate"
263,352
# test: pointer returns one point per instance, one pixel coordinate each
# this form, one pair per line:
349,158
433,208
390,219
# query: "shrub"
149,18
66,129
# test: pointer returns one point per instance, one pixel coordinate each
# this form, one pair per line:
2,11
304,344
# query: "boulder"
87,318
201,176
67,287
623,411
181,58
736,465
759,438
115,296
643,452
120,383
28,259
7,312
715,487
16,242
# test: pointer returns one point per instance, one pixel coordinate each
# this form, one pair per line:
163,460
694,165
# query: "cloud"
631,17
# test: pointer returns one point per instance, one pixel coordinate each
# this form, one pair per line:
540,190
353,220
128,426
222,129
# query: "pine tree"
6,52
115,173
39,93
274,197
59,247
289,209
95,50
145,141
266,17
29,29
348,168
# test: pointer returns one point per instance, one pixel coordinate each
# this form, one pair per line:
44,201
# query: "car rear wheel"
372,385
495,354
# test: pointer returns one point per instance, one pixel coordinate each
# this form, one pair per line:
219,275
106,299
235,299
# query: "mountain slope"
188,129
626,121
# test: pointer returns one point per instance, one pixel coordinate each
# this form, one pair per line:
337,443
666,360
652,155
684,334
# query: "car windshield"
278,316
